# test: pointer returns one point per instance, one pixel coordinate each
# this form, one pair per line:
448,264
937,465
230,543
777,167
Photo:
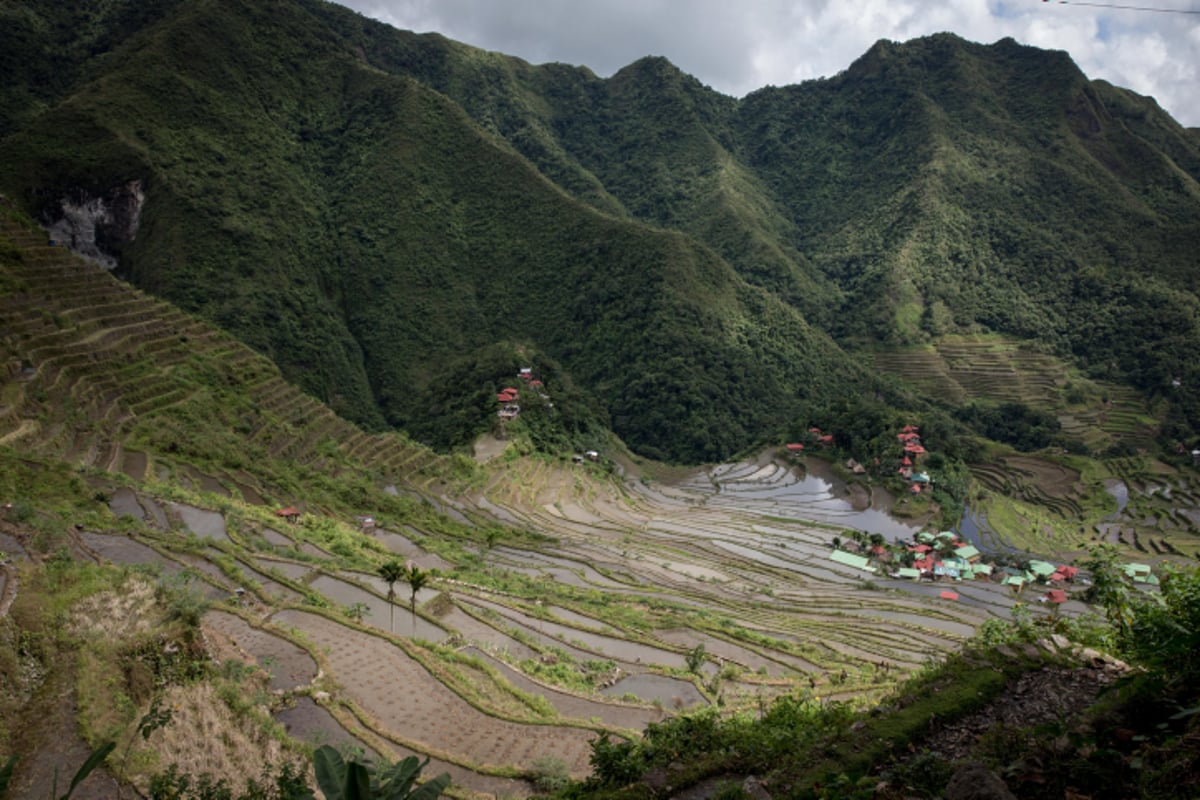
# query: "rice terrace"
564,600
381,416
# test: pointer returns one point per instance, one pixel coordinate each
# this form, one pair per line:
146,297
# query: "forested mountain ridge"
365,205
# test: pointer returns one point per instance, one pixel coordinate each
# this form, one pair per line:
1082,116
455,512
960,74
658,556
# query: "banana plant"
94,760
350,780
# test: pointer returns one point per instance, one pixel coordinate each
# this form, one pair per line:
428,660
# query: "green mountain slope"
360,230
367,206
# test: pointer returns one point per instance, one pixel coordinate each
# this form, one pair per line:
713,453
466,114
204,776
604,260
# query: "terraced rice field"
633,600
1034,480
959,369
718,559
1156,517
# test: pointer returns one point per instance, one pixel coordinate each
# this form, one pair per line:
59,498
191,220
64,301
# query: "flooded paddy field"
607,603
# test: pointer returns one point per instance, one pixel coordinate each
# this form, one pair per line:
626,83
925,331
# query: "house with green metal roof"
909,573
1140,573
1042,569
851,560
967,552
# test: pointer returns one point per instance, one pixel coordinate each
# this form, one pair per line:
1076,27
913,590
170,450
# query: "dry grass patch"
117,614
207,734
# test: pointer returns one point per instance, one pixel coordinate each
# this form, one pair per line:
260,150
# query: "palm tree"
392,571
417,579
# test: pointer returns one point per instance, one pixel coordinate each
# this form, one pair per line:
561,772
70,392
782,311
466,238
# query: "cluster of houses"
944,557
816,436
910,440
509,397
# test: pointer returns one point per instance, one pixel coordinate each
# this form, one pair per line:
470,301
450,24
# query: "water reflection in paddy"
380,613
124,501
1120,493
816,496
671,692
200,521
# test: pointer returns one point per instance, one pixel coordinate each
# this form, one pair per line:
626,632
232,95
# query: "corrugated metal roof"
851,560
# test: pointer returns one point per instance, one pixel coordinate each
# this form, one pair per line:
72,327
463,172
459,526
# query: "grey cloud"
736,48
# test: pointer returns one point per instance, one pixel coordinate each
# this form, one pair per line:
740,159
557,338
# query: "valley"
590,437
567,599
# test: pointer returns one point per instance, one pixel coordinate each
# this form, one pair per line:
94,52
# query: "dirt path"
411,704
51,748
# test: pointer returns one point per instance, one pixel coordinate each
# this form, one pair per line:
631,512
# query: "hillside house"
291,514
1140,573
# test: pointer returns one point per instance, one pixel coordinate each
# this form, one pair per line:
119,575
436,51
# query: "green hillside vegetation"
365,206
224,465
110,393
349,223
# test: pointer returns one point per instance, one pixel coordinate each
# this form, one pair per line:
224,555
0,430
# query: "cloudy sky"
738,47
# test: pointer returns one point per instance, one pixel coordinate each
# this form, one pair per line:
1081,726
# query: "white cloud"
736,48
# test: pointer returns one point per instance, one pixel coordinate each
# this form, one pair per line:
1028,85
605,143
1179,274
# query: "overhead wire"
1154,9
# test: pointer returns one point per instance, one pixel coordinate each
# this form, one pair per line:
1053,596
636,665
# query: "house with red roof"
291,513
1068,572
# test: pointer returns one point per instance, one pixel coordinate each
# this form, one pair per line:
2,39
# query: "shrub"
615,764
549,774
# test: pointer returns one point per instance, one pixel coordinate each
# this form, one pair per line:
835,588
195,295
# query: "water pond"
204,523
671,692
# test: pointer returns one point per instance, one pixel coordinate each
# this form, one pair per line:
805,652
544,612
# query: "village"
945,557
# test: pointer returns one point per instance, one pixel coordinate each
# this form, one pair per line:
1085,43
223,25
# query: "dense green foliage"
378,211
460,402
1012,423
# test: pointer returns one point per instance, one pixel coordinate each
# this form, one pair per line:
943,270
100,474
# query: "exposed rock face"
976,782
96,227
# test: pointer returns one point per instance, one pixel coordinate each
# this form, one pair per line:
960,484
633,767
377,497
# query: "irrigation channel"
731,562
